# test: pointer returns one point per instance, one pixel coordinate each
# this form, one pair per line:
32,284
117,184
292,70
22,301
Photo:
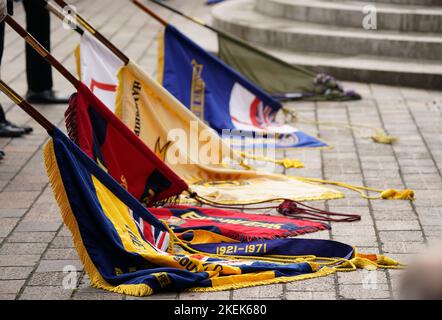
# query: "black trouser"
2,39
38,71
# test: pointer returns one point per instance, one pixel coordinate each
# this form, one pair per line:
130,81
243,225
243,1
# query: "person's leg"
7,129
38,70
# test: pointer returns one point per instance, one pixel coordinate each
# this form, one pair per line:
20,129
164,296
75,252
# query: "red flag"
100,134
234,224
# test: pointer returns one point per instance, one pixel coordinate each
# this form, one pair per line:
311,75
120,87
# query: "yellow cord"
388,194
359,261
287,163
379,135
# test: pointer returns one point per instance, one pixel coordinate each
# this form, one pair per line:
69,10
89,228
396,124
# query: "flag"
277,77
195,152
118,151
102,136
234,224
97,68
125,249
222,97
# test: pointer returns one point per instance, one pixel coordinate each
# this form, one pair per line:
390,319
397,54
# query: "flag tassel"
286,162
388,194
287,207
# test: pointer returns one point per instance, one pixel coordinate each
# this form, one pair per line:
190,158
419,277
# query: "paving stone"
52,278
6,226
11,286
311,295
218,295
12,213
38,226
33,237
362,276
22,248
369,291
18,260
62,242
407,225
61,254
14,273
96,295
270,291
318,284
401,235
58,265
45,293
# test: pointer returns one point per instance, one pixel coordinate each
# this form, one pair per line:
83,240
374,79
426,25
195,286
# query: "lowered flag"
97,68
234,224
222,97
102,136
279,78
195,152
125,249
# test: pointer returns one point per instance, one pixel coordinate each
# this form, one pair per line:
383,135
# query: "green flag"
277,77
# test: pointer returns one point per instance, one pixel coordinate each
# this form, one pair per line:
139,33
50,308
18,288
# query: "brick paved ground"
35,246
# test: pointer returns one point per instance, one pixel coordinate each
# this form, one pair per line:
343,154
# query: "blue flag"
223,98
126,249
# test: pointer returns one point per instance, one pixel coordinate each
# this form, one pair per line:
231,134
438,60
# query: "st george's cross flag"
223,98
97,68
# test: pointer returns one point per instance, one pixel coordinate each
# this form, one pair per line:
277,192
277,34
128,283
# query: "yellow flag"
195,151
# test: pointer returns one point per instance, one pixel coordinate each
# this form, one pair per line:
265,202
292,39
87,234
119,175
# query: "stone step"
383,70
347,13
240,18
416,2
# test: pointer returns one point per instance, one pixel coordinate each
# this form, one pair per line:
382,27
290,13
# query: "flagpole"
150,12
41,50
30,110
51,8
96,34
193,19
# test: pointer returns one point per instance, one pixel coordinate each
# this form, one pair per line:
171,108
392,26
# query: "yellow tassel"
362,263
375,261
393,194
287,163
383,138
290,163
389,194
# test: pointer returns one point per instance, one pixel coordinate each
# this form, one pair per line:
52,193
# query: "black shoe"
7,131
45,97
2,154
26,129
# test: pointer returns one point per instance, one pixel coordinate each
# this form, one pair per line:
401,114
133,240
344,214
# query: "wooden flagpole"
30,110
150,12
96,33
193,19
52,8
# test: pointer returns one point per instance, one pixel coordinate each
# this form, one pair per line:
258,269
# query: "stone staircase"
327,36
